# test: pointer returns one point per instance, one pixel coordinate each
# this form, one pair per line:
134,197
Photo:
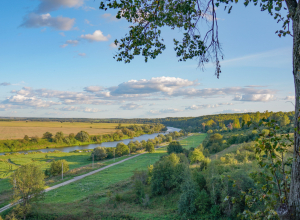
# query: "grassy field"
193,140
90,194
9,163
18,129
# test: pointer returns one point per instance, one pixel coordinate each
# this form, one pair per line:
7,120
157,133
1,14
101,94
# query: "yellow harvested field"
18,129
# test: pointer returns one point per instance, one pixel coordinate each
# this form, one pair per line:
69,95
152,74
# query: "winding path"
75,179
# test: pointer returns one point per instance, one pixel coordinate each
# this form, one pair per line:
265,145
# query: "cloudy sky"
56,60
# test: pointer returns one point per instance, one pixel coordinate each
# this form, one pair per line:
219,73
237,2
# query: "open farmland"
18,129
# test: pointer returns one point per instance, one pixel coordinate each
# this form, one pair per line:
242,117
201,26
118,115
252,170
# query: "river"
103,144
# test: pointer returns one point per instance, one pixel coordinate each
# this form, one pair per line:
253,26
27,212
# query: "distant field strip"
18,129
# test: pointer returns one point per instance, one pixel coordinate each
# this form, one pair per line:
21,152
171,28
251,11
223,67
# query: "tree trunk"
294,197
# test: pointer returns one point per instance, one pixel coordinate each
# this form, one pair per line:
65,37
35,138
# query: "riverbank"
91,145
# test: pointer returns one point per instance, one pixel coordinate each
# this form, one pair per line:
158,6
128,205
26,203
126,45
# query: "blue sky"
56,60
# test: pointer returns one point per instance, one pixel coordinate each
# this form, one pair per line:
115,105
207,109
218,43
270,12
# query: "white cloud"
163,84
52,5
73,42
82,54
69,108
290,98
130,106
95,37
164,111
109,17
5,84
29,101
255,97
92,110
62,34
88,22
196,107
64,45
93,88
33,20
234,111
88,8
113,45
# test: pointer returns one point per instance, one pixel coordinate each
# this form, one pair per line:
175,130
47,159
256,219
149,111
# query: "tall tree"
28,186
144,38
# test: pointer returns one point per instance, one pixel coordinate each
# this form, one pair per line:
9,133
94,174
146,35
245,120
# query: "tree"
99,153
236,123
284,120
47,135
150,147
28,185
59,136
246,118
57,165
196,156
122,149
174,147
149,18
26,138
82,136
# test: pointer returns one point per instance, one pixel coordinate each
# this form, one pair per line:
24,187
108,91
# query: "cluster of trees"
225,122
61,139
101,153
202,189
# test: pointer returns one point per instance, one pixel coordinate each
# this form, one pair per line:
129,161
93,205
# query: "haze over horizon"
57,61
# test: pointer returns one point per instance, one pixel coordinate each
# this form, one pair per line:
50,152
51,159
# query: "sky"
56,60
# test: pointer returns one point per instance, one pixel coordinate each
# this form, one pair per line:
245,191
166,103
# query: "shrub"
174,147
59,136
47,135
35,139
122,149
196,156
56,167
167,173
150,147
186,204
99,153
82,136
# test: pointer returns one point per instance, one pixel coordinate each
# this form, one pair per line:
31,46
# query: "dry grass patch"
18,129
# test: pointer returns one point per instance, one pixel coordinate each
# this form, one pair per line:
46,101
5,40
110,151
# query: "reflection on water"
104,144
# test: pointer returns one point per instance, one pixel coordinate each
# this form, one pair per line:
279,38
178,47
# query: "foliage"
57,166
196,156
174,147
28,185
99,153
271,153
82,136
122,149
150,147
167,174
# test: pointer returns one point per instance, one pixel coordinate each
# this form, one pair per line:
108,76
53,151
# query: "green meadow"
193,141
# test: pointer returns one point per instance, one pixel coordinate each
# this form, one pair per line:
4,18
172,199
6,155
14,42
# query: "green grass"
75,160
98,182
193,140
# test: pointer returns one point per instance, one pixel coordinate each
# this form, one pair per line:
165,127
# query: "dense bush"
174,147
167,174
82,136
56,167
150,147
99,153
122,149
